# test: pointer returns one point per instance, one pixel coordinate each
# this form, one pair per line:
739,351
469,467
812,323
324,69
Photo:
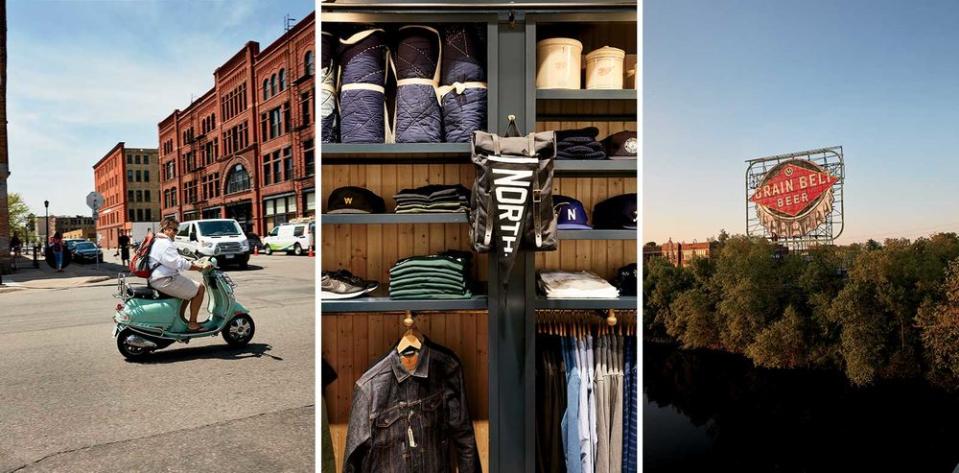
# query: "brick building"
129,179
680,254
245,149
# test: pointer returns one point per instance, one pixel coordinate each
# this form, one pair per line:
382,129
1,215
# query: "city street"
70,402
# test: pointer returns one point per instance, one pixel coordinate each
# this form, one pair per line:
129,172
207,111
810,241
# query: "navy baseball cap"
570,213
616,212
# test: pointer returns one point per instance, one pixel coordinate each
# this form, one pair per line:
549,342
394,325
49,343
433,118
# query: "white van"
289,237
219,237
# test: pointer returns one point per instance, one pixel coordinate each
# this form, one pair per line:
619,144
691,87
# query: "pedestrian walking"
124,243
15,245
56,246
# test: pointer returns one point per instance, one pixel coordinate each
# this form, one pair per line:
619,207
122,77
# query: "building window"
273,84
146,176
279,210
130,196
146,159
129,176
266,89
139,196
149,215
146,196
309,204
238,180
306,107
308,162
139,215
138,176
287,164
129,159
136,159
131,216
282,79
308,63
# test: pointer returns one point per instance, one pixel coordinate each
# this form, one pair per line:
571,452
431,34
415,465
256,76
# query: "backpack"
513,195
140,263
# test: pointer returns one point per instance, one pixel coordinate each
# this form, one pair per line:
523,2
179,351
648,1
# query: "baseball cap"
621,145
570,213
616,212
354,200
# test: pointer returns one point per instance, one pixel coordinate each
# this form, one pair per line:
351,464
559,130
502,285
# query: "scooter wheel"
130,352
239,330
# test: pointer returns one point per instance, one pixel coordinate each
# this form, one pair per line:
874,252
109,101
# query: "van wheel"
297,250
267,250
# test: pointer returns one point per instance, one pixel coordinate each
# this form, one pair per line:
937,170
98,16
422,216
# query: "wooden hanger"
412,338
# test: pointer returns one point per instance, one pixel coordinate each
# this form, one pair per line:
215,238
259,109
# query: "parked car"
86,252
293,238
220,237
71,242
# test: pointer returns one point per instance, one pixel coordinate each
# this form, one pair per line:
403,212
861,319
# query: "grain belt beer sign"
794,198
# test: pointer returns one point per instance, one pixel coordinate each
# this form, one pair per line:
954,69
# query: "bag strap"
537,196
497,147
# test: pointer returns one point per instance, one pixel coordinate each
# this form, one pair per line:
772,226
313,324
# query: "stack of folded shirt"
578,285
432,199
579,144
441,276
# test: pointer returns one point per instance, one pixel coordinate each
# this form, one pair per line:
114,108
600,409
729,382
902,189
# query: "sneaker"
344,285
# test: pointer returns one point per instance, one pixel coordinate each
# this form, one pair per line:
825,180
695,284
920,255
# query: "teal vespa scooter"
148,320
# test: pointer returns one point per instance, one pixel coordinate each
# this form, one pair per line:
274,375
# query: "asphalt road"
70,402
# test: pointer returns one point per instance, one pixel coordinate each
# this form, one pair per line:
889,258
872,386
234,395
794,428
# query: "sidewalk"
45,277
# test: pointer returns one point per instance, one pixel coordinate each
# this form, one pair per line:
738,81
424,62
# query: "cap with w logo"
354,200
570,214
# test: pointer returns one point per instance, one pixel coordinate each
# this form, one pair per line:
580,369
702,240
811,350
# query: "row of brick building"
245,149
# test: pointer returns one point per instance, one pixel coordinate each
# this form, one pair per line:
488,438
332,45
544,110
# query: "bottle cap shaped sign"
794,198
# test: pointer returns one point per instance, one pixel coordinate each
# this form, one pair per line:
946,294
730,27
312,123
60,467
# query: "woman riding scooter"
166,278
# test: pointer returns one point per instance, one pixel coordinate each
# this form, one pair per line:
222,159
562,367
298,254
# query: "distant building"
680,254
63,224
129,179
89,233
245,149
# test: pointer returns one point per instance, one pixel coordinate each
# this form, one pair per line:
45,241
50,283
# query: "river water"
714,412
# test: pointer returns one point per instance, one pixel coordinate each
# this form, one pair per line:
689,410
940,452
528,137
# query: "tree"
782,344
939,330
750,287
18,214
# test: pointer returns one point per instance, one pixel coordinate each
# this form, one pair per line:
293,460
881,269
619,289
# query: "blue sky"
726,81
84,75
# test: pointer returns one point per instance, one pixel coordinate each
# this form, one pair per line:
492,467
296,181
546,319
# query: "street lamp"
46,224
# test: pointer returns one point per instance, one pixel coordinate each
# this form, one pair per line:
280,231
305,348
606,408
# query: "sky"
726,81
85,75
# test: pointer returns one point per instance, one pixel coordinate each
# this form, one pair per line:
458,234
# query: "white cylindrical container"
604,68
558,63
629,72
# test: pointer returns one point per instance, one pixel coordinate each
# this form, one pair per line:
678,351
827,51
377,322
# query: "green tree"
939,330
18,214
782,344
750,286
693,320
662,283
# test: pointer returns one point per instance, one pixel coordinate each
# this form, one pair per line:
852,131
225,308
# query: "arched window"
266,89
273,84
308,63
282,79
238,180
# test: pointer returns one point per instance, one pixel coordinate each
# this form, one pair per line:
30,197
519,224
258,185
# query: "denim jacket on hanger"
405,422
